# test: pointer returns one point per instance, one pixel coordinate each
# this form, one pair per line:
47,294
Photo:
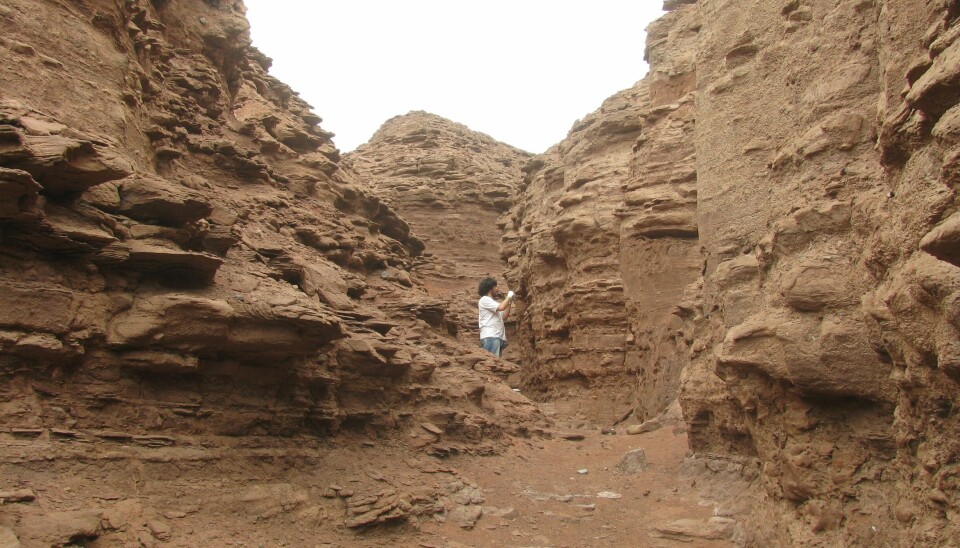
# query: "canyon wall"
173,208
192,279
768,222
603,241
826,212
199,291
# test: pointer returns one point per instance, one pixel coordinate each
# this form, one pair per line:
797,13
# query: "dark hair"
486,285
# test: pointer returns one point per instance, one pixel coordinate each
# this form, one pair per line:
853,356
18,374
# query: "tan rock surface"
818,213
819,175
216,330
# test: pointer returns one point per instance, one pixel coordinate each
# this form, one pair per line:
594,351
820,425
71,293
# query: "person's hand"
509,294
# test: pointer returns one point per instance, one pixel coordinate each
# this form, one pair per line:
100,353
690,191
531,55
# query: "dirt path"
543,499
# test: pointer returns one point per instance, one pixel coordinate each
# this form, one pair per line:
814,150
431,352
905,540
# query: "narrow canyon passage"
574,484
217,329
597,489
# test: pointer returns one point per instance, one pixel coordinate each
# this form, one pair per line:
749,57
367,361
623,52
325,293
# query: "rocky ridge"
452,185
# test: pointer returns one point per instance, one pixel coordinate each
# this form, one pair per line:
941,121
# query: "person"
493,333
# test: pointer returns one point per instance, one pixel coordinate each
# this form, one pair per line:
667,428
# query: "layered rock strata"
603,241
190,274
451,184
825,177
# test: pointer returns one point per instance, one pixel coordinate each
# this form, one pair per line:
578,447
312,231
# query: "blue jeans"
493,345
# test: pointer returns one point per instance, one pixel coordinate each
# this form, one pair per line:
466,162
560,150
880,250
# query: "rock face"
603,241
197,290
825,178
188,265
783,182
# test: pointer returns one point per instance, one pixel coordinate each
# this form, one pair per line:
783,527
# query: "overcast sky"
521,71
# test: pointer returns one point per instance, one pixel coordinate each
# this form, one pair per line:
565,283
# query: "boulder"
633,462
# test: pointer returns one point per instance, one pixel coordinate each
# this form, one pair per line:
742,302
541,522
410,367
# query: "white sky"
521,71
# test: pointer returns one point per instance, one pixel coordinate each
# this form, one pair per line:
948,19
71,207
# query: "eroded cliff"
198,291
824,173
452,185
194,284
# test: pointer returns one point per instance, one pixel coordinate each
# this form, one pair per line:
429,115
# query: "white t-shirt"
491,320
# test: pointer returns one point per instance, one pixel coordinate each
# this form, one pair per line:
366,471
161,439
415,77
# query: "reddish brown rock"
18,191
819,339
452,184
63,528
821,221
61,164
198,290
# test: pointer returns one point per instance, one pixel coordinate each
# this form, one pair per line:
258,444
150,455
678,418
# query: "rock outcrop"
451,184
191,274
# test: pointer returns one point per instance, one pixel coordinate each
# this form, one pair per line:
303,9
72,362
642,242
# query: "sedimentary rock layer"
451,184
820,341
825,197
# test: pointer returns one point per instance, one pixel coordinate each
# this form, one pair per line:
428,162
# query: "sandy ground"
538,492
553,504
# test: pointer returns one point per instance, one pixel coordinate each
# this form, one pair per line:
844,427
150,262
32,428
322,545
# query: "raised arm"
505,305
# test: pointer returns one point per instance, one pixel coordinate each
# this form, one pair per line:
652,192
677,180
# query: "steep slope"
190,276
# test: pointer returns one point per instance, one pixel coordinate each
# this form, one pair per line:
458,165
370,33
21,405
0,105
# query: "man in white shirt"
493,334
